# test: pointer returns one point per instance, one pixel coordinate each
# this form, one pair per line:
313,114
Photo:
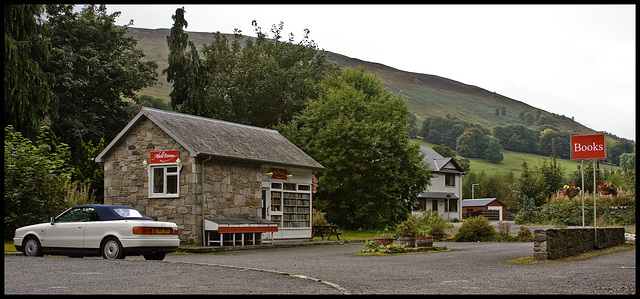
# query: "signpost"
588,147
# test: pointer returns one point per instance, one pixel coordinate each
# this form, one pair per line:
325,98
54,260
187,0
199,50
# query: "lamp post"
472,190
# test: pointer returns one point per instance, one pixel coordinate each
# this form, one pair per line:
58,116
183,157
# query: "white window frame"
165,176
279,187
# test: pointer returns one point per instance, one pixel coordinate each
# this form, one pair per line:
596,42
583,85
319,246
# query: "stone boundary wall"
557,243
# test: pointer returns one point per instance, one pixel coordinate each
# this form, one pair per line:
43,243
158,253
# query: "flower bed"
370,247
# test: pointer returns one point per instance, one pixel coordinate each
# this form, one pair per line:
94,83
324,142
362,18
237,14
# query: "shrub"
35,174
318,218
528,212
407,228
524,234
504,228
475,229
436,232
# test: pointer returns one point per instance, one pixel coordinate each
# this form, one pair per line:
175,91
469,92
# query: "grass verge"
527,260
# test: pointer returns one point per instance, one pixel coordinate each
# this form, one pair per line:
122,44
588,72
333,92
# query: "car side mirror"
53,221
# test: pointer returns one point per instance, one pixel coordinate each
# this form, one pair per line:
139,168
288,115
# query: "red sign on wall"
279,173
588,147
160,157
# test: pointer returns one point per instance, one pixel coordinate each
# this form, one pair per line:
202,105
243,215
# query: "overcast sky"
573,60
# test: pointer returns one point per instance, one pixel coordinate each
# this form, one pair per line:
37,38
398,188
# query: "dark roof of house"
478,202
437,161
206,137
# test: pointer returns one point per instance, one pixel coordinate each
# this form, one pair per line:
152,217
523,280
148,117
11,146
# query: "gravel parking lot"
470,268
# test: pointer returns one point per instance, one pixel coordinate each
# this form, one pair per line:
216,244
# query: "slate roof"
206,137
437,162
478,202
438,195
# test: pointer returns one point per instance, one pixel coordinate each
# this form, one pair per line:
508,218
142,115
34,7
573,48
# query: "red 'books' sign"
588,147
164,157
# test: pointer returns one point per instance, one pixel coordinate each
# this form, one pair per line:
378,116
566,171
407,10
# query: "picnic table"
321,230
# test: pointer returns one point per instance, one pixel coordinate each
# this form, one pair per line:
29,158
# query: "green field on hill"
513,162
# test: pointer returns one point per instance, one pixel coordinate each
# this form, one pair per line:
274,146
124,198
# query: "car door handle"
79,227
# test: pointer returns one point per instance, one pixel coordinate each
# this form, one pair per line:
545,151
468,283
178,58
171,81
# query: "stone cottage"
223,183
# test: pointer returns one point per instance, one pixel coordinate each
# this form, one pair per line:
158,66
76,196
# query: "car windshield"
124,212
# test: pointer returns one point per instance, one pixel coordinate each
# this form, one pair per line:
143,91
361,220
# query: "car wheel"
32,247
112,249
156,256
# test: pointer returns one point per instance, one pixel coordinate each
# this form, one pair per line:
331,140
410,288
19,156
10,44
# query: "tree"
472,143
357,129
185,69
531,185
517,137
628,161
446,130
28,98
493,151
96,68
528,212
444,151
562,141
413,128
85,171
616,149
257,81
552,177
35,174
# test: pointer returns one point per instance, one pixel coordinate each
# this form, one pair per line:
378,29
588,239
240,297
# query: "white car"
93,230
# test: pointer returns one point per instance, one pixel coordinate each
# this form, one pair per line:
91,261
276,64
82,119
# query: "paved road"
471,268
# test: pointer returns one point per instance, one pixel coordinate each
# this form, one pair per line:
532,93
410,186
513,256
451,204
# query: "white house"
444,195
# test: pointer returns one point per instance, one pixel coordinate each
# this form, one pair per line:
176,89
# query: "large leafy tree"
472,143
493,152
96,69
517,137
257,81
561,139
28,98
357,129
445,130
616,149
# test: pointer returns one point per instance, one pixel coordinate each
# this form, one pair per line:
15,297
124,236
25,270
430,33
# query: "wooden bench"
321,230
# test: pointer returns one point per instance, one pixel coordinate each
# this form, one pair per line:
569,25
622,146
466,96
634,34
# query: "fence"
489,214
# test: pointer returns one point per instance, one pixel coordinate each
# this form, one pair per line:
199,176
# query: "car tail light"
146,230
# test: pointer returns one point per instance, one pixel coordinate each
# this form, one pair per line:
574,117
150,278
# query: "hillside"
426,95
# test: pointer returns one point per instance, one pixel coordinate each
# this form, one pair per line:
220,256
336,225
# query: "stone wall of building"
557,243
231,189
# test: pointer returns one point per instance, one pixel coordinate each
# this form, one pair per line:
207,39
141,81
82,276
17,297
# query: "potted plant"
383,239
570,191
606,189
407,231
424,240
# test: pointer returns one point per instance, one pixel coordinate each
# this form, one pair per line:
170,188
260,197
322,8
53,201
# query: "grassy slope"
513,162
